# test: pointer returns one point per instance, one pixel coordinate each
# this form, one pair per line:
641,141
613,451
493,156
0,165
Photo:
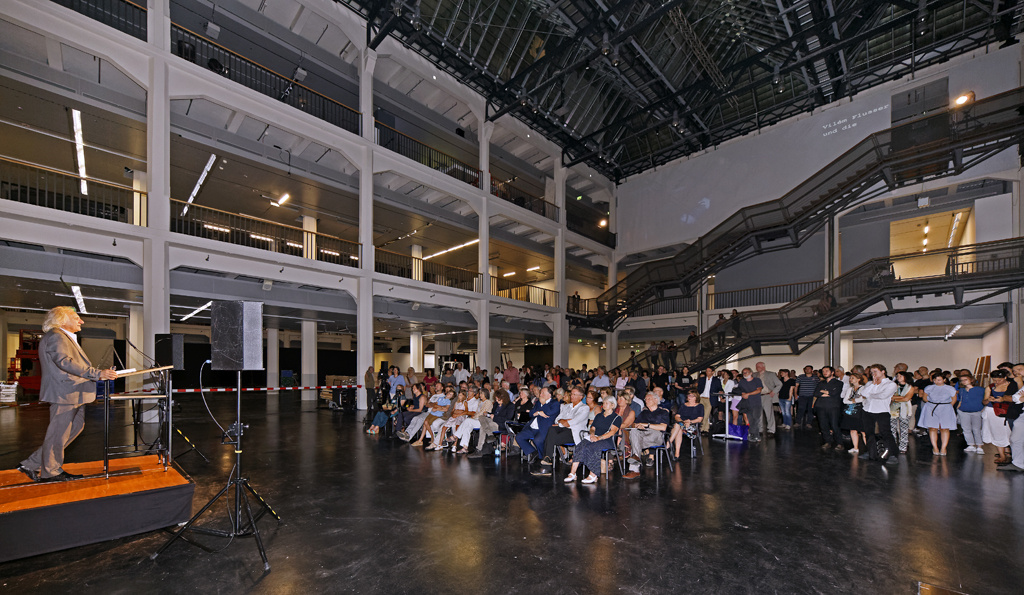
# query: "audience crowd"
592,418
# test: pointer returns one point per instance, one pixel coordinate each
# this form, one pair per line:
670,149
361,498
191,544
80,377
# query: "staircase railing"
941,145
989,266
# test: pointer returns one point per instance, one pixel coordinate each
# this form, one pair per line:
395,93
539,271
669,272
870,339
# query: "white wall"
997,344
948,355
993,218
591,355
692,195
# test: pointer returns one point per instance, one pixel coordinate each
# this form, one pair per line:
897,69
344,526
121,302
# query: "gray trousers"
487,429
769,413
971,423
66,423
639,439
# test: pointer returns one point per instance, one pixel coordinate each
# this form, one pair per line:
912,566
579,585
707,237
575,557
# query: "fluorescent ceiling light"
281,200
926,228
952,230
263,238
293,245
76,122
214,227
196,311
77,291
952,332
509,274
353,257
101,299
536,268
330,252
452,249
199,182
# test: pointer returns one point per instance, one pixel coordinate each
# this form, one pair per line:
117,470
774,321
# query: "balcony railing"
405,145
523,292
242,230
403,265
123,15
54,189
519,197
760,296
208,54
672,305
587,222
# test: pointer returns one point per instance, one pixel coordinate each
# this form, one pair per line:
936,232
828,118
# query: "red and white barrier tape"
245,390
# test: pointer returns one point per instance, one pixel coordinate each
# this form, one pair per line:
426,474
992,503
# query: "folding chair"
661,454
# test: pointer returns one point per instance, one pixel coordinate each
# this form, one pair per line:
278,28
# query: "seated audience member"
542,416
602,437
467,404
436,408
688,419
624,411
572,419
647,431
938,414
415,407
475,422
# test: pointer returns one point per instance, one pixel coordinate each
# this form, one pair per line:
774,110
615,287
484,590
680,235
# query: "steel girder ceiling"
631,84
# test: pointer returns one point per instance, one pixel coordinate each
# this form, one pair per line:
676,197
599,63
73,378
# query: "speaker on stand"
236,340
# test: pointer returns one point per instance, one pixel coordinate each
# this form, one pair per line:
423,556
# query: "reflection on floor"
369,515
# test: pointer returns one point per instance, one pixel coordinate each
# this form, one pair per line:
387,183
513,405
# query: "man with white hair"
769,396
68,383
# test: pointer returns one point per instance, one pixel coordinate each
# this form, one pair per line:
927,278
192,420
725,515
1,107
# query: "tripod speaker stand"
236,341
242,491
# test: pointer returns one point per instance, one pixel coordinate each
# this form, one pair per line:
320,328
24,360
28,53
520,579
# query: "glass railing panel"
123,15
45,187
208,54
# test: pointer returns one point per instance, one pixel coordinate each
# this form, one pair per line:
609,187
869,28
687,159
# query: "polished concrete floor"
368,515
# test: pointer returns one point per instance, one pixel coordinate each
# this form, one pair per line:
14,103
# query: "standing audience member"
900,410
972,406
1017,435
710,387
938,415
877,395
994,428
806,387
786,397
827,404
853,414
769,396
750,391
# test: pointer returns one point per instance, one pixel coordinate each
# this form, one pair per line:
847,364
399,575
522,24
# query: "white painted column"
309,238
309,373
484,247
155,275
367,64
416,251
5,359
484,163
481,311
273,361
833,344
559,322
158,24
611,354
613,272
364,299
1015,342
134,359
416,351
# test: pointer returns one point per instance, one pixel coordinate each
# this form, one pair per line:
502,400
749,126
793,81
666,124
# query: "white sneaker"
570,478
853,451
979,450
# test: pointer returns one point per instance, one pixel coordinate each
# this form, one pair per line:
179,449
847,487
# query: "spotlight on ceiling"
965,98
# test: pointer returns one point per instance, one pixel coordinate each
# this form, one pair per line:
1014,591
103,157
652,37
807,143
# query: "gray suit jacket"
68,376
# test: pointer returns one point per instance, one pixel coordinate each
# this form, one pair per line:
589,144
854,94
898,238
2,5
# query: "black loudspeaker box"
236,335
170,350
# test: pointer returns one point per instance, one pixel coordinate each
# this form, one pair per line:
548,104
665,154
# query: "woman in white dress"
994,429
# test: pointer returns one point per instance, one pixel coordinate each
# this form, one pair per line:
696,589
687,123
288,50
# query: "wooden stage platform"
139,496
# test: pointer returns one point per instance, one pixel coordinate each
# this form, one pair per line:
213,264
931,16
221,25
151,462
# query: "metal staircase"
991,268
941,145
